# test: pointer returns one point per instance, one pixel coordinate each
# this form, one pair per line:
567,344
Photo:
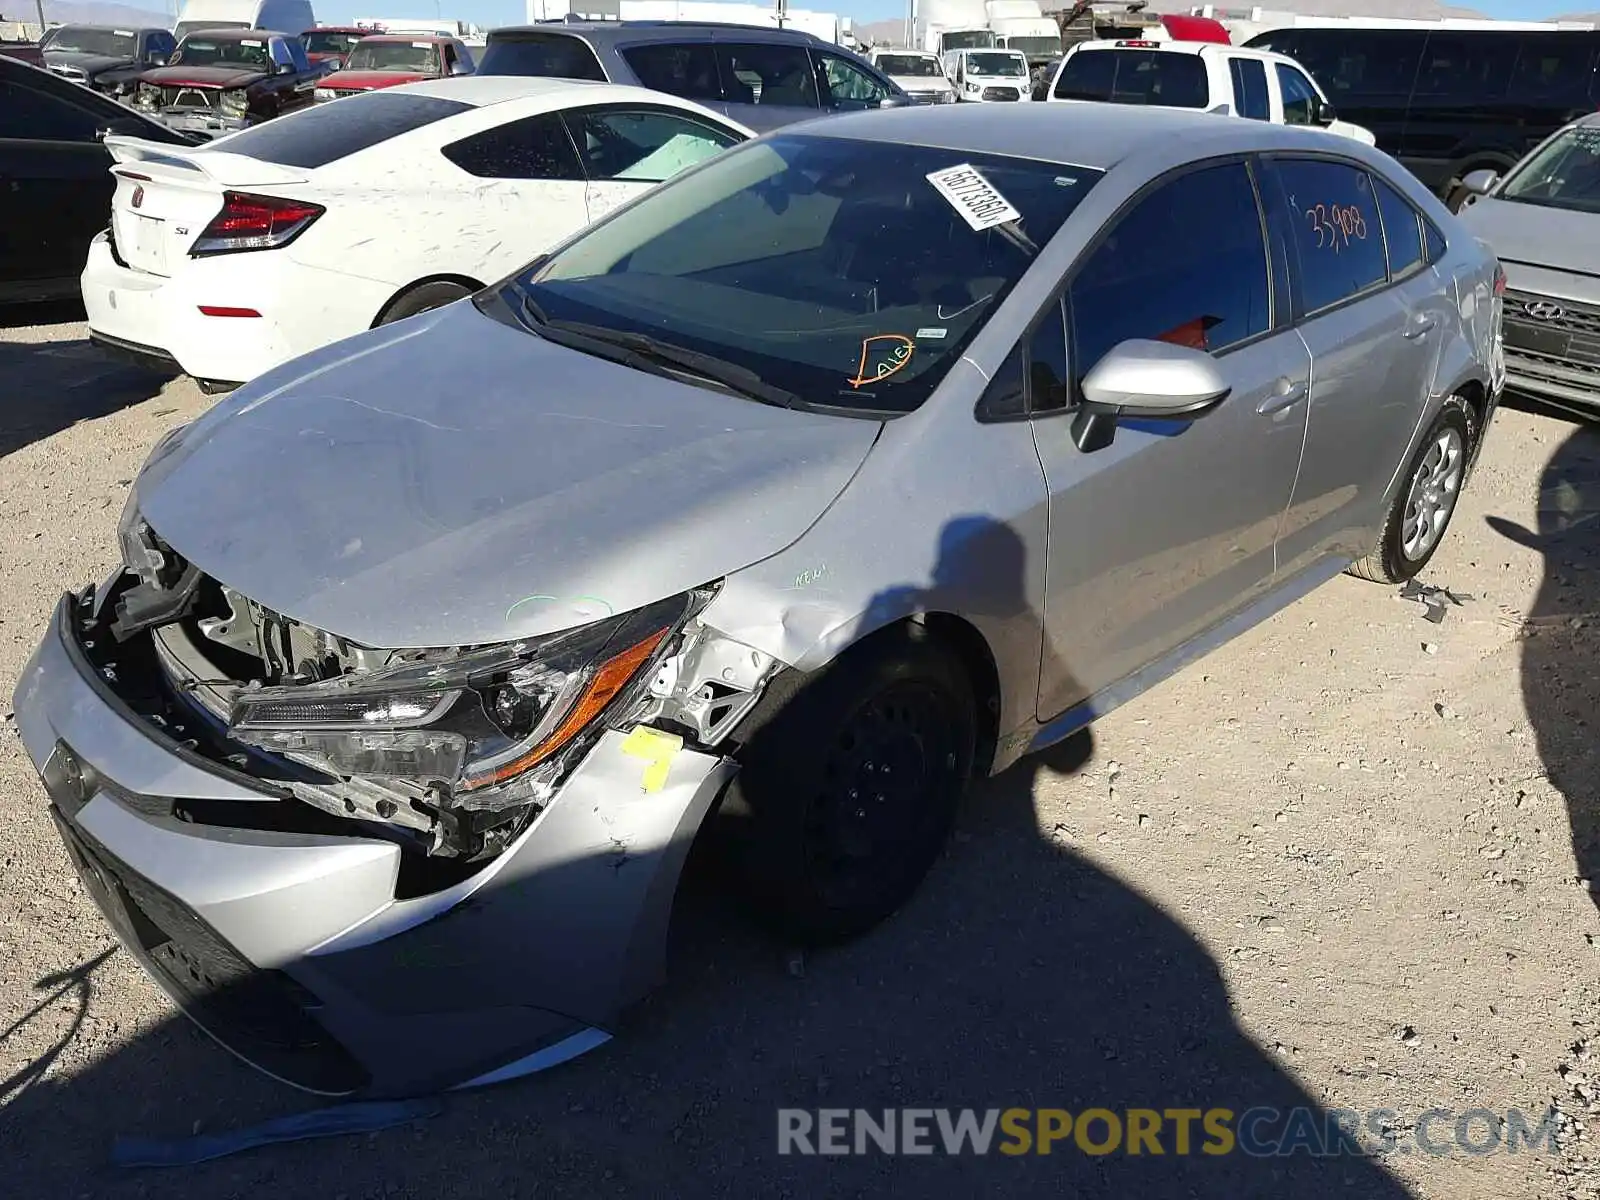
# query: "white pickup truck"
1254,84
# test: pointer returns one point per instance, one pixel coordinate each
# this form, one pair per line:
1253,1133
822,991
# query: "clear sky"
489,13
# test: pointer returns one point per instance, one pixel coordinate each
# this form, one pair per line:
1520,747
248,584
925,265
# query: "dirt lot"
1344,861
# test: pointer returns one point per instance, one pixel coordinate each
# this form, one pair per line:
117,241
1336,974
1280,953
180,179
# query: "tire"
849,782
423,298
1429,494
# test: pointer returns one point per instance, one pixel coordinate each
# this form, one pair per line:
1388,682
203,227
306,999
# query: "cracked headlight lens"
471,721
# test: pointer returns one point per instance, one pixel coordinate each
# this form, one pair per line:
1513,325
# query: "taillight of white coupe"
225,260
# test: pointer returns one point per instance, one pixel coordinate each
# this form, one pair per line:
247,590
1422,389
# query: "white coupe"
228,259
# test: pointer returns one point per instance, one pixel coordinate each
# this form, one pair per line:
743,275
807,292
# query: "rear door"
1366,73
1371,367
1170,529
55,189
626,150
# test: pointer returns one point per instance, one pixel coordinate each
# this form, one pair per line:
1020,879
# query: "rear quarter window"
325,133
1130,76
548,55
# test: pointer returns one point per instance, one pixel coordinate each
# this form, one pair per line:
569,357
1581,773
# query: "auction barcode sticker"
977,200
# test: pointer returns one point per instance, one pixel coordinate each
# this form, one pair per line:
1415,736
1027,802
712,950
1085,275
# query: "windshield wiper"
642,348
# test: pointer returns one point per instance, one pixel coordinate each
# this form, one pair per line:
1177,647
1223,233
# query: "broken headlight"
234,103
476,722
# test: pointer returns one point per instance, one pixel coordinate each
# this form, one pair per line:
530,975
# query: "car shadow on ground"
1022,976
1561,636
49,386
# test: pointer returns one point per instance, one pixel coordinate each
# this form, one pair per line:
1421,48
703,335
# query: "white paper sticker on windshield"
422,45
977,200
123,32
245,42
932,334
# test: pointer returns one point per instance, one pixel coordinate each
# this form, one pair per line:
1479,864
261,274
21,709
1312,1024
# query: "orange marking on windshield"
892,352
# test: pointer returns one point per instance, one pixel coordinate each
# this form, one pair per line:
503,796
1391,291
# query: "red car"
332,43
27,52
388,59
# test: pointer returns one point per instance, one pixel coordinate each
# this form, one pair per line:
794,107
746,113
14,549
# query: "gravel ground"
1345,861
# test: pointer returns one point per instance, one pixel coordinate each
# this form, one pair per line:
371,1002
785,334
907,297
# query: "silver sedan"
788,500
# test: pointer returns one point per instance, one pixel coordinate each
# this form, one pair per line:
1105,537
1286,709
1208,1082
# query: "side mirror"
460,68
1480,182
156,58
1323,113
894,102
1146,381
285,69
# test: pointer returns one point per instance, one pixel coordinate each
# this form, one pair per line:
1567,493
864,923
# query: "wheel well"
963,639
1477,398
472,285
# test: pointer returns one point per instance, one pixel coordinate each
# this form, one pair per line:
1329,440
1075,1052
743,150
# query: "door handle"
1422,327
1287,394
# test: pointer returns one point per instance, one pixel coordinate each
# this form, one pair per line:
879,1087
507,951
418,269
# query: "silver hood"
1557,238
450,480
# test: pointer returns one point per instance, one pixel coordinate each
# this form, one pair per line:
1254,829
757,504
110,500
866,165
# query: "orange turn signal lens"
610,679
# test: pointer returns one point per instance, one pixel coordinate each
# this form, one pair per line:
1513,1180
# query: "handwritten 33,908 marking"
1336,225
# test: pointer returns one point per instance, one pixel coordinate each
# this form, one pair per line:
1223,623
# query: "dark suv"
1448,102
759,77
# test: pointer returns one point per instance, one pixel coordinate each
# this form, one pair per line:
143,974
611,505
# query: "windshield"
832,269
80,39
1035,47
1564,173
331,43
206,52
996,64
971,39
923,66
184,28
421,57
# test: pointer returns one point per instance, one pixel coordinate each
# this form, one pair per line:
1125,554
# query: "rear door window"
536,147
1552,69
767,74
323,133
1152,277
689,71
1155,77
551,55
32,115
1335,230
1402,231
1466,67
1250,88
1356,63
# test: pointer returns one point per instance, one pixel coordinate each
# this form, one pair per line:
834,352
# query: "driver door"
1172,528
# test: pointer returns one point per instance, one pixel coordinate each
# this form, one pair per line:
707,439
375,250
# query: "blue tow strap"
341,1119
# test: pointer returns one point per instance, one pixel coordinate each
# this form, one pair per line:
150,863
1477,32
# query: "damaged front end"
453,752
381,871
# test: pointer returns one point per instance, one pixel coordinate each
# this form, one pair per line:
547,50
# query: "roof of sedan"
1086,135
482,90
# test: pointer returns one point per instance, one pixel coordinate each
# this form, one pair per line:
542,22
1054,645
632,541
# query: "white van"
987,76
293,17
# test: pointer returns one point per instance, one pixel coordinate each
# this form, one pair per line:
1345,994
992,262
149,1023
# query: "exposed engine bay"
452,752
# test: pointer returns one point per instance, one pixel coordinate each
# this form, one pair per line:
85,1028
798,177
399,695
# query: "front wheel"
1426,501
849,782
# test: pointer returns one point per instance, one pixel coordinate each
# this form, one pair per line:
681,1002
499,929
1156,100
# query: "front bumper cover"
293,950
